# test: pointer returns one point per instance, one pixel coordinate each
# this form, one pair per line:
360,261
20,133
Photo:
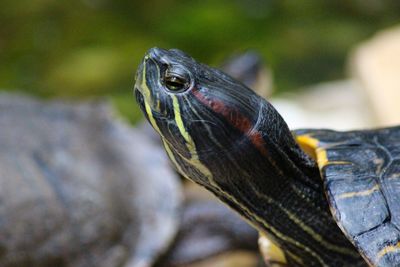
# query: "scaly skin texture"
223,136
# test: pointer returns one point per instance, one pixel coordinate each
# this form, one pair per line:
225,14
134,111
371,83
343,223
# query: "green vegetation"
92,47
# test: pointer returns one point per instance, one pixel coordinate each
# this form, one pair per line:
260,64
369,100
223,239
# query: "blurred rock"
339,105
208,229
250,68
231,259
376,64
273,256
79,188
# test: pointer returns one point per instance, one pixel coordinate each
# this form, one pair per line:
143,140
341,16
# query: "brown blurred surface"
376,64
232,259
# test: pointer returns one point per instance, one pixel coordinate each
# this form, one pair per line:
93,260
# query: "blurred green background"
84,48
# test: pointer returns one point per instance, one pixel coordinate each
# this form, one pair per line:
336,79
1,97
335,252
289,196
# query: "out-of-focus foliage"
81,48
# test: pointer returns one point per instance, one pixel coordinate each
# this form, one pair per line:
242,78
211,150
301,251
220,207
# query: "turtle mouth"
139,99
139,83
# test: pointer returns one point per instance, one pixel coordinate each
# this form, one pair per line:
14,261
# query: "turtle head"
161,75
222,135
200,112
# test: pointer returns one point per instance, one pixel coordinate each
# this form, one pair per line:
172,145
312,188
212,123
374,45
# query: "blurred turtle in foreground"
79,188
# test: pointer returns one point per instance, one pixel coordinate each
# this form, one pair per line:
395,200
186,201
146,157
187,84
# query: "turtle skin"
223,136
361,174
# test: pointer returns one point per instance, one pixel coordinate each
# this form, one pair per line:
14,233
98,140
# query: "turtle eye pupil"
175,83
176,79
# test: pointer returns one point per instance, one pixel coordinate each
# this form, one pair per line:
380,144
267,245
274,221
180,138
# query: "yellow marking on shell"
313,148
308,144
270,251
322,158
359,193
388,249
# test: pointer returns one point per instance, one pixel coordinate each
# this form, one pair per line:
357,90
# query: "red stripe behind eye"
237,120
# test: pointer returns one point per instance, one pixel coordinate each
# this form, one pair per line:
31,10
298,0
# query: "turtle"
322,197
81,188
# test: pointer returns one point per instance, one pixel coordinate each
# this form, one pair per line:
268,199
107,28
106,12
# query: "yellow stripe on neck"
179,122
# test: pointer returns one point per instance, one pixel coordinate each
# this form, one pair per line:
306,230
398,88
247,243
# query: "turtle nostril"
156,53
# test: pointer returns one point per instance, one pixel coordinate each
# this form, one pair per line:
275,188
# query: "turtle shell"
361,174
81,188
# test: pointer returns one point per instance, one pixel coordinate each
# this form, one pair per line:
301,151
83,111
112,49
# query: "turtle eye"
176,79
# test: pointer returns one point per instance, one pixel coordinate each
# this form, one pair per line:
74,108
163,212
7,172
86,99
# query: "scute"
391,185
380,245
359,200
361,174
